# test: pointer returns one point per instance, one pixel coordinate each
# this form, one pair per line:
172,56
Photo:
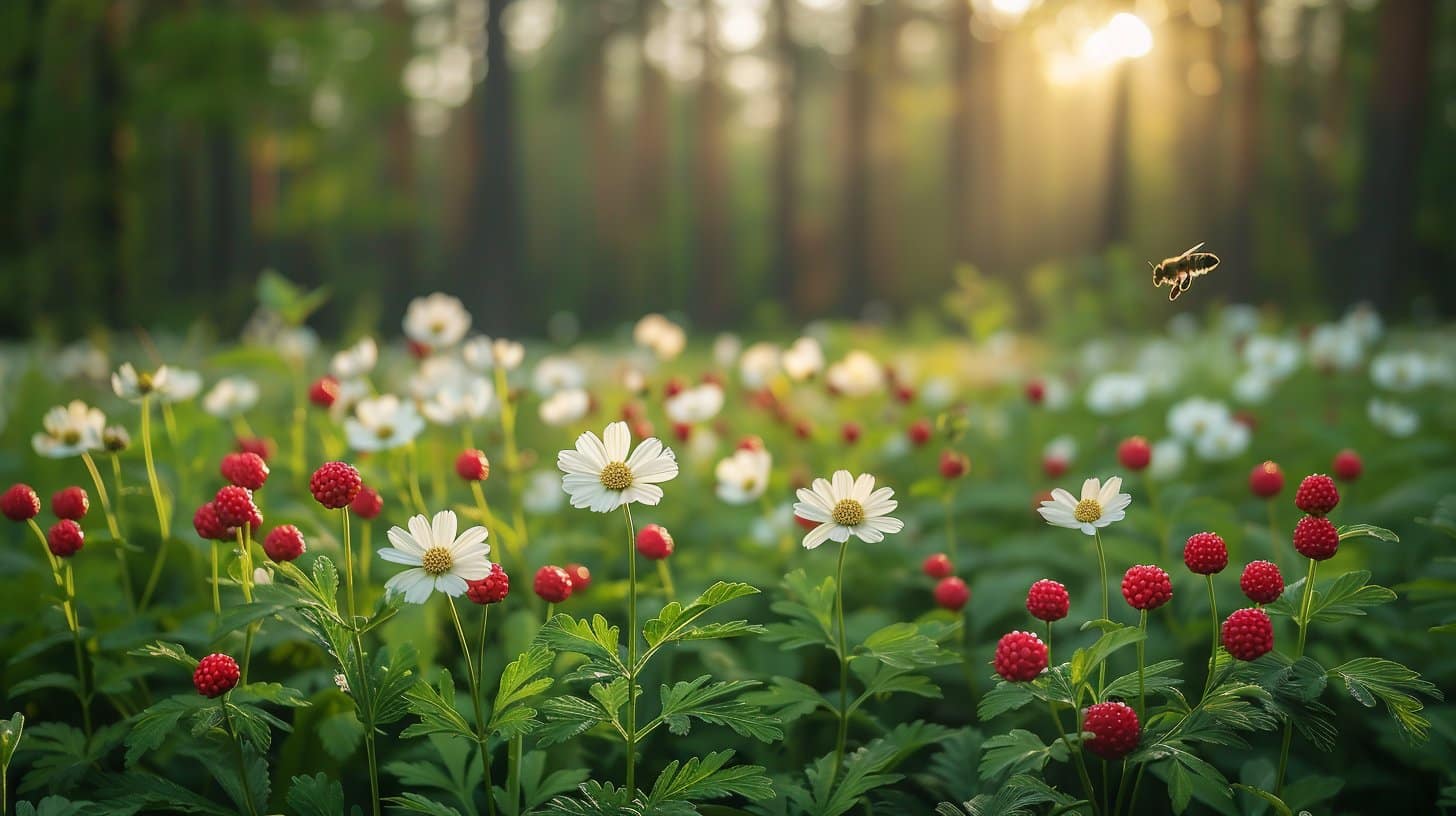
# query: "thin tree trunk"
785,181
711,190
958,159
650,157
1242,256
855,283
1116,201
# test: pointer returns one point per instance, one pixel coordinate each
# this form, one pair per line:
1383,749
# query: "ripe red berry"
683,431
1020,656
1134,453
553,584
805,523
1347,465
1146,587
905,394
234,505
1317,495
335,484
493,588
472,466
323,392
245,470
215,675
1261,582
284,543
954,464
1048,600
919,432
1035,392
367,504
673,387
580,577
952,593
654,542
70,503
937,566
20,503
1248,634
1316,537
208,526
850,432
1114,728
256,444
1205,554
1054,467
751,443
643,430
803,429
1266,480
65,538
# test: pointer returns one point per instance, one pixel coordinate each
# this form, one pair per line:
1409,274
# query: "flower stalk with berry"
159,500
112,526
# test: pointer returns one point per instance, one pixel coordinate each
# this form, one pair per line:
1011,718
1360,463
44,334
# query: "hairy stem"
843,651
1303,623
631,652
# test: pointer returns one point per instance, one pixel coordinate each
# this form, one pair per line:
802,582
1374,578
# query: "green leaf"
711,704
48,680
1017,752
809,608
10,733
1347,596
152,726
1352,531
316,795
675,619
1157,679
788,699
1006,696
537,786
276,693
567,716
436,709
520,681
1280,809
709,778
1371,678
415,803
596,640
903,646
1085,661
175,652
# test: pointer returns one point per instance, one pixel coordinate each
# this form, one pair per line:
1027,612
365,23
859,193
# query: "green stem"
242,761
481,737
245,542
665,574
112,527
66,585
1303,623
413,472
164,526
367,707
631,652
1102,573
1213,646
1050,662
216,582
1142,687
843,651
1076,753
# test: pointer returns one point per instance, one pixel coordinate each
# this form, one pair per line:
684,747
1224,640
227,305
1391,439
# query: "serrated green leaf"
711,703
316,795
709,777
904,646
1016,752
597,640
152,726
175,652
1352,531
1085,661
435,706
1371,678
40,682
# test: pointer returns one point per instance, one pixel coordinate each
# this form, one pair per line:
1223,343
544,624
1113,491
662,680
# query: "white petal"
591,447
1090,488
472,567
812,498
1109,490
880,503
843,485
472,541
404,542
1089,529
1061,496
839,533
863,487
408,584
645,453
810,511
885,524
661,468
817,536
867,533
618,441
422,531
452,585
393,556
570,461
648,494
444,529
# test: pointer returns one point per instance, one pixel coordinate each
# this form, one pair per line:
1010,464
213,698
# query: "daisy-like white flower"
600,475
180,385
69,430
1335,347
1253,386
1100,505
557,374
1193,417
132,385
1364,322
542,495
758,364
846,506
231,396
743,477
1062,449
1273,357
726,348
468,399
857,375
1238,320
355,361
484,354
1399,371
803,359
435,374
441,559
296,344
381,423
1222,442
1168,458
1115,393
564,407
693,405
1393,418
664,337
437,321
81,360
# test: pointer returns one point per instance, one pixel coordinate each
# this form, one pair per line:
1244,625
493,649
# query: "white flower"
743,477
484,354
1161,363
438,320
779,522
70,430
383,422
133,385
600,475
664,337
180,385
554,374
231,396
758,365
1273,357
1253,386
565,407
1335,347
847,506
633,380
937,393
81,360
355,361
1167,459
1393,418
466,399
435,374
1222,442
726,347
1195,416
1364,322
1238,319
803,359
1100,505
441,560
542,495
1055,394
1061,449
1400,371
693,405
1116,393
296,344
857,375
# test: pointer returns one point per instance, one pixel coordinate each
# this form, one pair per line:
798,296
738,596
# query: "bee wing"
1204,262
1193,249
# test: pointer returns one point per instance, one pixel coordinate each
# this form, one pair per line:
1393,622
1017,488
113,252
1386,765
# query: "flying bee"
1179,272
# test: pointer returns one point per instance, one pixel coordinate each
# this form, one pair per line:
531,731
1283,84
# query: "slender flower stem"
216,584
1076,753
112,527
1142,685
631,652
1303,623
1102,574
365,703
413,472
1050,662
950,531
238,746
843,651
245,544
481,737
1213,645
164,525
66,583
665,574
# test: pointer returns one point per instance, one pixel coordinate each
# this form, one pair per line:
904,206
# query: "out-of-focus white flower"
633,380
1183,325
1167,459
1238,320
1100,505
664,337
564,407
180,385
857,375
356,361
1161,363
604,473
1116,393
702,445
1252,387
440,559
743,477
693,405
542,495
554,374
69,430
484,354
769,528
1272,357
1060,449
1400,371
846,506
1393,418
296,344
507,354
437,321
1056,395
1222,442
436,373
1097,355
1364,322
1195,416
937,393
133,385
81,360
803,359
469,398
381,423
1334,347
758,365
231,396
726,348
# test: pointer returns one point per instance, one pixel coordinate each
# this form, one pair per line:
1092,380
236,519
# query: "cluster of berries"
555,584
950,591
952,464
69,505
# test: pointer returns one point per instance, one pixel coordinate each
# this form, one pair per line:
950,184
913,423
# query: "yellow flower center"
437,561
144,382
71,437
384,432
616,476
1088,511
848,513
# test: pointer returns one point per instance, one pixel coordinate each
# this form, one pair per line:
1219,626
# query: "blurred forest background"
744,162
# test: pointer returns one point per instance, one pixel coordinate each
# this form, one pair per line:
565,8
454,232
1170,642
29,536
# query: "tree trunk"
1115,202
711,293
855,282
958,158
15,223
650,162
1241,258
785,181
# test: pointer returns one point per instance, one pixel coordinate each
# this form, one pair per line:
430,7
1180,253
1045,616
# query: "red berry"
20,503
323,392
367,503
803,429
751,443
805,523
1114,728
673,387
245,470
937,566
1347,466
1317,495
954,464
1266,480
1146,587
234,505
494,587
1205,554
335,484
1035,392
643,430
65,538
216,675
284,543
850,432
905,394
580,577
1048,600
255,444
208,525
553,584
654,542
1054,467
1261,582
1134,453
1316,537
683,431
919,432
70,503
952,593
1248,634
1020,656
472,466
419,350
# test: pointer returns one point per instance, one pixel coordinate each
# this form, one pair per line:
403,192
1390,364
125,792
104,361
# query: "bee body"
1179,271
